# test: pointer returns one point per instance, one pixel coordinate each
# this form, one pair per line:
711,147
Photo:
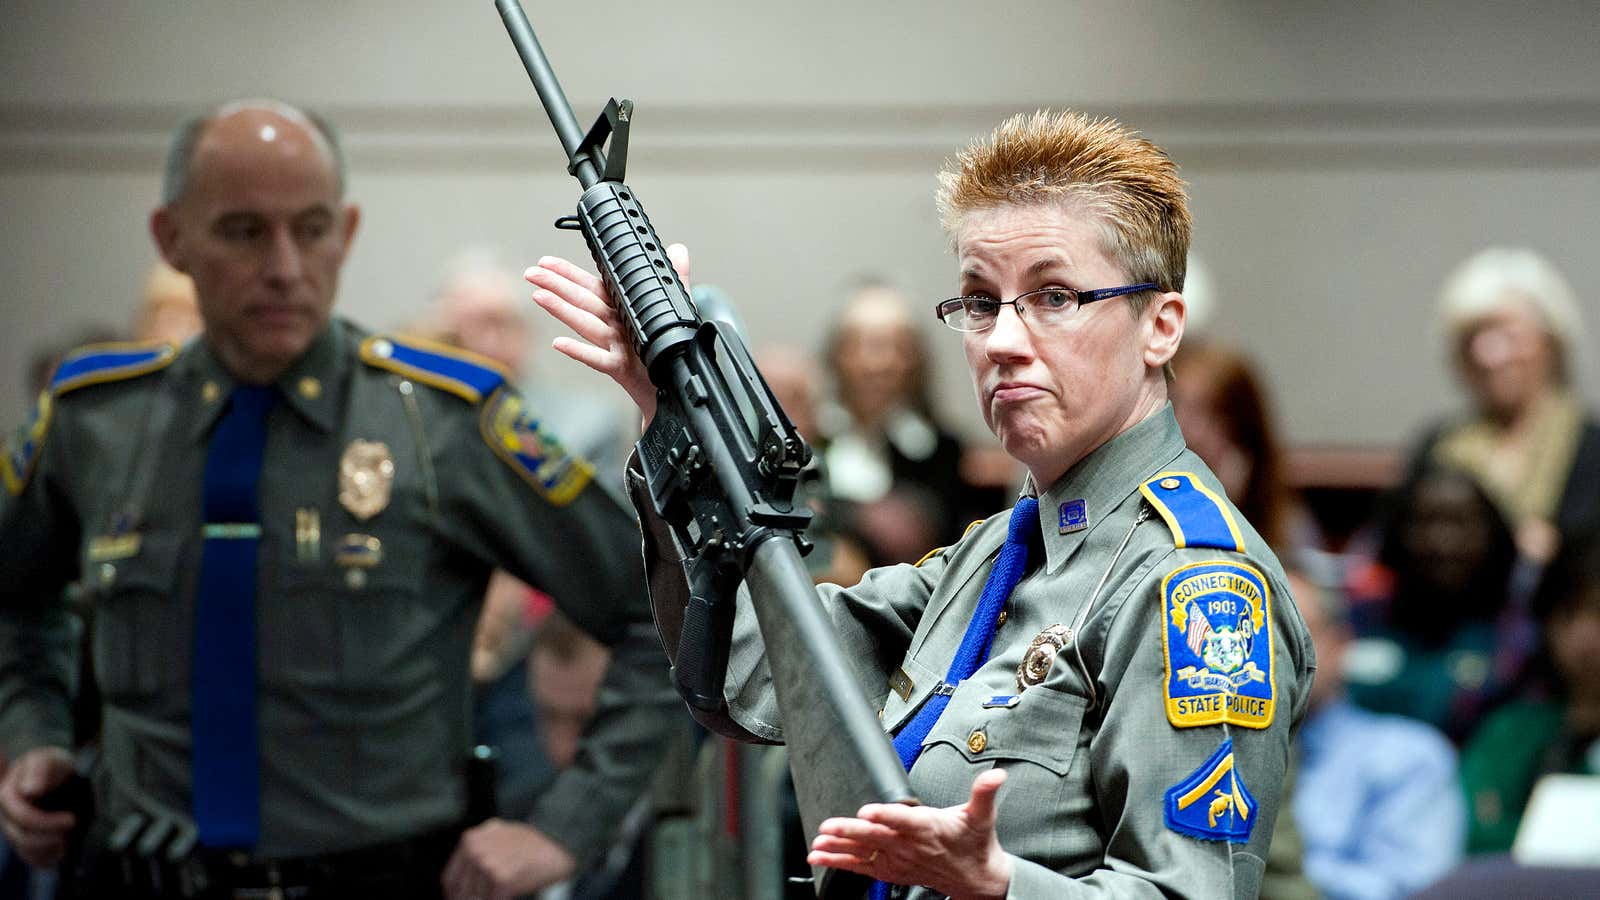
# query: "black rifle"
483,777
722,462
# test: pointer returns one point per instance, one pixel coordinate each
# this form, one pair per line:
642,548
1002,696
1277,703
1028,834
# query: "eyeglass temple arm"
1108,293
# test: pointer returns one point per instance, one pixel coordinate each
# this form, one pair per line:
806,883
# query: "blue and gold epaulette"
94,364
100,363
1196,515
467,375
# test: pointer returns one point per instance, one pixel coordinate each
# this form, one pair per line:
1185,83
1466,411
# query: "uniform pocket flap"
1041,728
909,688
140,618
133,564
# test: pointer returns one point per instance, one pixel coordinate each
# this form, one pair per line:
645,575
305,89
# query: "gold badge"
366,475
1041,655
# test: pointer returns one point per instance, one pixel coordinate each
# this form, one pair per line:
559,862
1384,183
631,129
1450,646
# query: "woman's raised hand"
578,299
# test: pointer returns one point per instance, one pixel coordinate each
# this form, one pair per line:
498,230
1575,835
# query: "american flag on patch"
1199,628
530,443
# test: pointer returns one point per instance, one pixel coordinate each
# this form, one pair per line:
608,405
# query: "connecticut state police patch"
17,459
1217,643
533,452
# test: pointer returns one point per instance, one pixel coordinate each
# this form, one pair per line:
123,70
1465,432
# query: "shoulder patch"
19,455
537,455
1196,515
1216,640
100,363
92,364
1213,804
467,375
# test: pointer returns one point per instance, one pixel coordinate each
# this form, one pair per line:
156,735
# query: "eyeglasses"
1045,307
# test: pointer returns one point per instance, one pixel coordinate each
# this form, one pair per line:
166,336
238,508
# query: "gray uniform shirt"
364,688
1089,752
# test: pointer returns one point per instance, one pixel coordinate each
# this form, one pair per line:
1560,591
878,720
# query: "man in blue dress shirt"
1377,799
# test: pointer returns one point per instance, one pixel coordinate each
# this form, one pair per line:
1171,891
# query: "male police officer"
287,527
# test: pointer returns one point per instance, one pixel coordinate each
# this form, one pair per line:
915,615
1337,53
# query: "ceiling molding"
704,139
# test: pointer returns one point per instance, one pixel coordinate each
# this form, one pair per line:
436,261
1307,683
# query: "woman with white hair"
1513,328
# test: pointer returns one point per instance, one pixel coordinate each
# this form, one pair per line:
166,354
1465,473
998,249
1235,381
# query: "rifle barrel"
550,93
719,424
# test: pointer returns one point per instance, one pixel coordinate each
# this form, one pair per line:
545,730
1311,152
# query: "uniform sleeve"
576,542
874,621
38,539
547,522
1141,763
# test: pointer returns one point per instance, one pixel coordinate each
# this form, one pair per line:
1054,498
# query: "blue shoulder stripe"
1196,515
467,375
99,363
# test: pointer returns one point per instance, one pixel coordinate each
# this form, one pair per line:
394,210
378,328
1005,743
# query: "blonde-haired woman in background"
1513,329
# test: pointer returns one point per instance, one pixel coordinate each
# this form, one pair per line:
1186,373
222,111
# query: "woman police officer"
1094,694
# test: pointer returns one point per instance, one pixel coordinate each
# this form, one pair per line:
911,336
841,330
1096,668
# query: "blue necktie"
226,765
974,649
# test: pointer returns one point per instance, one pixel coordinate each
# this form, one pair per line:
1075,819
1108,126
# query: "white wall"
1342,156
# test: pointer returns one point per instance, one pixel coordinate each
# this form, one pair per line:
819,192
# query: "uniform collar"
1104,479
312,386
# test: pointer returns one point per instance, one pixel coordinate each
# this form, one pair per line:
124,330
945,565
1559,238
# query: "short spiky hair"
1097,165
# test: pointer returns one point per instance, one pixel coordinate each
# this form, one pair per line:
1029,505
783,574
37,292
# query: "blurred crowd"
1457,632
